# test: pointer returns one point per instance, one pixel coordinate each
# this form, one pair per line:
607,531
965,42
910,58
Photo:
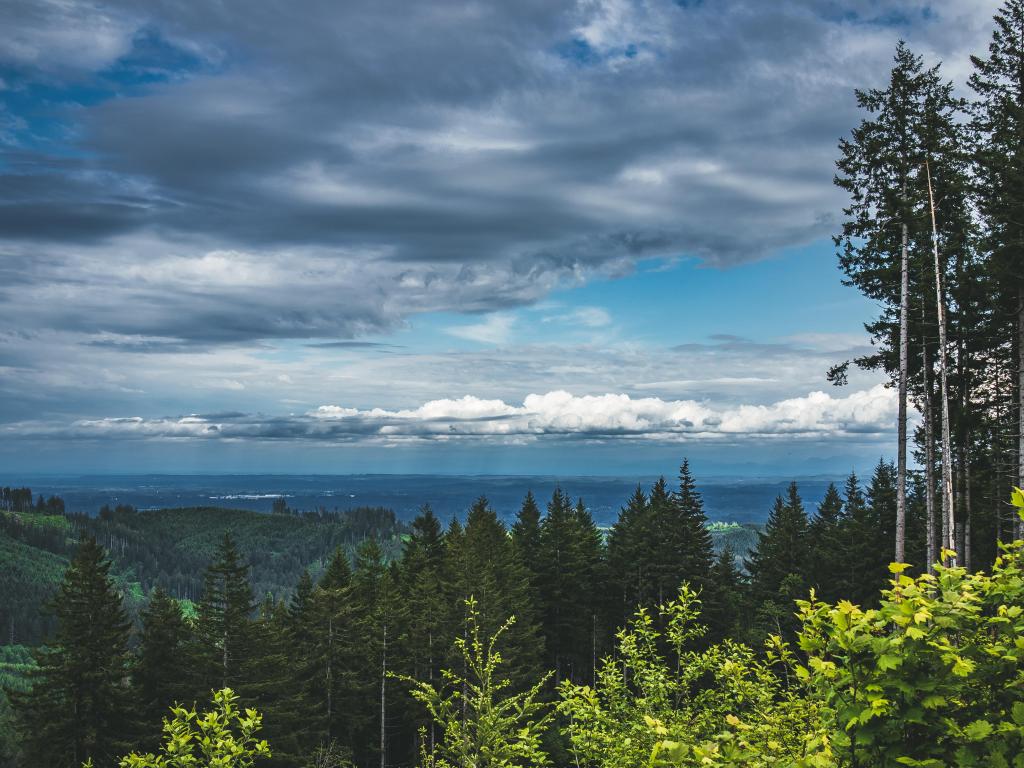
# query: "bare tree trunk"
948,523
901,449
1018,523
967,513
430,677
929,469
330,679
383,699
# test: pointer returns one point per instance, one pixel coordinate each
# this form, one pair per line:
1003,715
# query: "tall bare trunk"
967,513
383,694
929,469
330,678
948,523
1018,522
901,449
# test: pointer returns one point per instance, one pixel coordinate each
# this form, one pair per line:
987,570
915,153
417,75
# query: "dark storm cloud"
380,158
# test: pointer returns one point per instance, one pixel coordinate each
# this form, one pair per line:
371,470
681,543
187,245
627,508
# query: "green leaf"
1018,713
978,730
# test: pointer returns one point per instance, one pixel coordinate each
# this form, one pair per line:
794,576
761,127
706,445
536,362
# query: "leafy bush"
481,722
224,737
934,676
659,702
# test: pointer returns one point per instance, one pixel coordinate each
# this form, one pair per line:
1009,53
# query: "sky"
584,237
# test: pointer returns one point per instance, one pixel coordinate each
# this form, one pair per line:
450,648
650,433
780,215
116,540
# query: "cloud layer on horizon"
552,414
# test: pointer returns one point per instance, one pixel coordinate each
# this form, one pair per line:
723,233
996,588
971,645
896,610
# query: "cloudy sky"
532,236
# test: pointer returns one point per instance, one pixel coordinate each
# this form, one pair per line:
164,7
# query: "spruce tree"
526,539
425,634
79,706
375,622
998,81
660,579
686,540
778,564
882,166
826,548
571,559
328,674
480,562
157,673
222,650
730,590
628,548
276,688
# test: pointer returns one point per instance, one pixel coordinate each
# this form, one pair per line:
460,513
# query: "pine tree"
425,634
79,706
328,674
157,673
826,547
882,166
480,562
778,564
223,643
275,687
375,621
660,578
571,564
730,588
998,80
526,539
868,525
628,545
685,552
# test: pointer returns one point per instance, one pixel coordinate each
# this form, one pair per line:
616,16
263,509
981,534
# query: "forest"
883,628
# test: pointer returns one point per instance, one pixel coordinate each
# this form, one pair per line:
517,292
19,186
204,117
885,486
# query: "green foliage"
223,737
222,651
658,703
160,659
78,703
779,565
482,723
934,674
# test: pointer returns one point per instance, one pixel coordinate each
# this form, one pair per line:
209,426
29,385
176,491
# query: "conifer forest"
880,627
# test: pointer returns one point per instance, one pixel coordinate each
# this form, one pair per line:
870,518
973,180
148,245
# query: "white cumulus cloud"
557,413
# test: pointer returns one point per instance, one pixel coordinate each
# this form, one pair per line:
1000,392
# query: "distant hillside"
170,547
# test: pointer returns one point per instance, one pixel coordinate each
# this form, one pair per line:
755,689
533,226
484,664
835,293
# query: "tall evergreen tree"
328,672
79,706
660,582
628,544
157,673
480,562
425,634
730,591
223,643
571,563
881,166
826,547
998,80
778,564
376,621
526,539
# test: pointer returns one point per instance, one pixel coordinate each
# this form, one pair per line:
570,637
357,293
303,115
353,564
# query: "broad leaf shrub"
482,723
933,677
658,702
224,737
